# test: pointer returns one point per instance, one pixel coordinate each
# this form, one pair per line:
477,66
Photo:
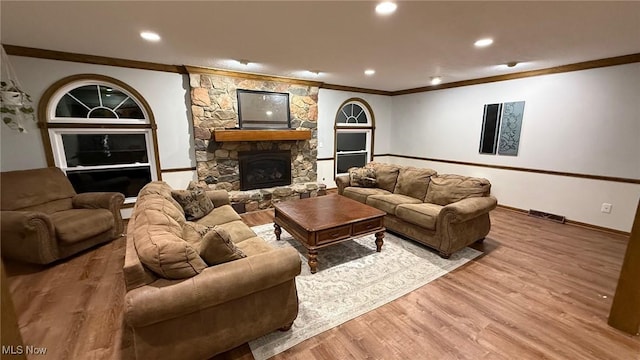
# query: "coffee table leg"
277,231
379,241
313,261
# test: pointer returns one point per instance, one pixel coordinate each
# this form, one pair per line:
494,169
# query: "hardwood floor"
541,290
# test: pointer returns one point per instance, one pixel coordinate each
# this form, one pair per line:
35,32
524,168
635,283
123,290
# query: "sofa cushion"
362,177
161,188
360,194
238,230
159,241
254,246
424,215
388,203
80,224
413,182
220,215
27,188
447,189
386,175
217,248
196,203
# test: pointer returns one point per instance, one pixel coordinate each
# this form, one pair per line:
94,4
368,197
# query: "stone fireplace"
260,170
218,163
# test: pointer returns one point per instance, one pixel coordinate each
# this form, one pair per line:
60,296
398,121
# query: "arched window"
101,133
354,133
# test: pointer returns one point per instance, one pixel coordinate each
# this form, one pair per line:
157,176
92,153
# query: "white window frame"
61,161
366,128
54,127
61,92
366,151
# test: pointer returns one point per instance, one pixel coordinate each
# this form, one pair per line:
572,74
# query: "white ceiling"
339,38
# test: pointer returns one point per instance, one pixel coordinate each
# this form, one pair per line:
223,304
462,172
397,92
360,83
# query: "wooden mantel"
260,135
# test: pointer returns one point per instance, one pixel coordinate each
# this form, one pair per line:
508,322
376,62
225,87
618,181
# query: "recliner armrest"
468,209
342,182
168,299
28,236
98,200
111,201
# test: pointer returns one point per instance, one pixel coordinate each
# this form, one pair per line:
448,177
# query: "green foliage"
15,105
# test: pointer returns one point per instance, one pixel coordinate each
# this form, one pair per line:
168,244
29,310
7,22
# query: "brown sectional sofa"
212,308
445,212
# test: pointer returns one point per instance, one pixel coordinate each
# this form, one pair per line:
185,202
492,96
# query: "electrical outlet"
606,208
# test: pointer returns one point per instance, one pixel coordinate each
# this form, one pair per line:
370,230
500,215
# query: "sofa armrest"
219,197
168,299
467,209
28,236
111,201
342,182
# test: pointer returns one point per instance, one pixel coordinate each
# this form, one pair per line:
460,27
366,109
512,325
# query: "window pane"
102,113
104,149
128,181
111,97
88,95
130,110
68,107
349,141
346,161
341,118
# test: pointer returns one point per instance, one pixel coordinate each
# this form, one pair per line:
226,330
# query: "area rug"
352,279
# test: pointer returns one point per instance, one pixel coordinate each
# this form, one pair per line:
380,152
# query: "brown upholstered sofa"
44,220
445,212
210,309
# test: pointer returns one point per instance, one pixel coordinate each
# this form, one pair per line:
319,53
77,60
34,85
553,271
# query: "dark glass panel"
104,149
87,94
351,141
341,119
102,113
111,97
130,110
490,126
68,107
346,161
361,116
127,181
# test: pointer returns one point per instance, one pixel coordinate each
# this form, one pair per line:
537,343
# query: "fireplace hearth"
264,169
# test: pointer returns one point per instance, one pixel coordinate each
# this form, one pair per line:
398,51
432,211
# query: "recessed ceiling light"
150,36
483,42
512,64
386,7
369,72
243,62
436,80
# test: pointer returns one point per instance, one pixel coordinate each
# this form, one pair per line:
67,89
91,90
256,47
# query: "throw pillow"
217,248
195,203
362,177
446,189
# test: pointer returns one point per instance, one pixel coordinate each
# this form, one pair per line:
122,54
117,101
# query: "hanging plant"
15,104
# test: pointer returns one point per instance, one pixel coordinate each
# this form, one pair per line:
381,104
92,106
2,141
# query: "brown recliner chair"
44,220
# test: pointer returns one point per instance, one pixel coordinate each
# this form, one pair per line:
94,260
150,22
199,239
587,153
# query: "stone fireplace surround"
214,107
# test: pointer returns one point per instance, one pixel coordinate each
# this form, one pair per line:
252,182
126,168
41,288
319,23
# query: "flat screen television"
263,110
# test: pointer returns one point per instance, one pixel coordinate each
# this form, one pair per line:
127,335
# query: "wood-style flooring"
541,290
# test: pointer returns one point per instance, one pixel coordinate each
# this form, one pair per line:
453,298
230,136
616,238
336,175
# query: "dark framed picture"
263,110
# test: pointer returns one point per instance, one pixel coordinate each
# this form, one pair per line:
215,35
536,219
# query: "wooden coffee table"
323,221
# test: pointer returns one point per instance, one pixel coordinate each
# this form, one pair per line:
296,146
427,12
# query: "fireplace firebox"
264,169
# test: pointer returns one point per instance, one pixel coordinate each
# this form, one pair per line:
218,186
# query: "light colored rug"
352,279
